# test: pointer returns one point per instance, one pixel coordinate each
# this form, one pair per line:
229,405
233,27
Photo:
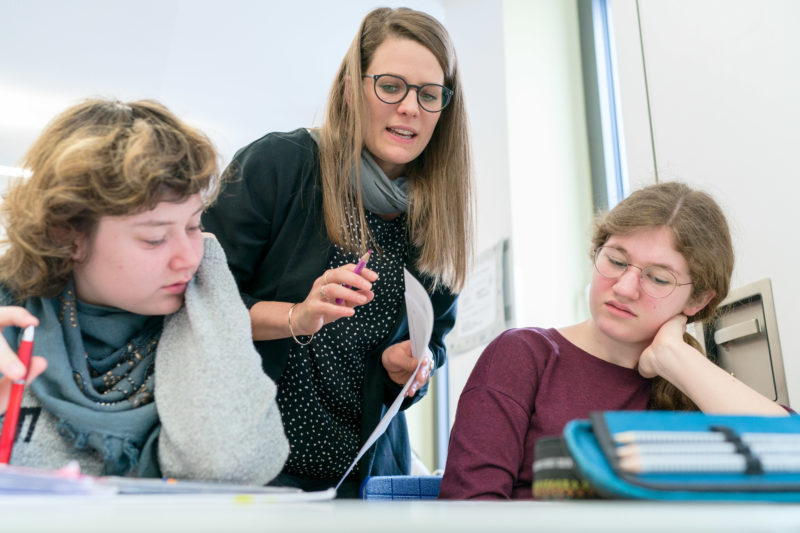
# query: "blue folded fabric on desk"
688,456
400,488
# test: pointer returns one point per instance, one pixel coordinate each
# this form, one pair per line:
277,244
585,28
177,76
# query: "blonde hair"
701,236
440,213
98,158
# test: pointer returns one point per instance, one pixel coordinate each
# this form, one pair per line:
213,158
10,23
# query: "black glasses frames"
391,89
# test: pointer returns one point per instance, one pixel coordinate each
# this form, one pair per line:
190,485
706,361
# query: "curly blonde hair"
98,158
702,237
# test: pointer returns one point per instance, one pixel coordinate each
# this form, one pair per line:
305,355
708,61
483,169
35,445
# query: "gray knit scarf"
380,195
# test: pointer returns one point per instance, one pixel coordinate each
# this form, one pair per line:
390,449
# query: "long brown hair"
701,236
440,214
98,158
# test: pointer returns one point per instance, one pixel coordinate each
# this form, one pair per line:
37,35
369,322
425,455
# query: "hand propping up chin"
662,354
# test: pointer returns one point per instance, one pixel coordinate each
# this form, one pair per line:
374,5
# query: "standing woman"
389,171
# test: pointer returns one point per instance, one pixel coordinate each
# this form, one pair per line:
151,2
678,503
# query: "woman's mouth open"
402,133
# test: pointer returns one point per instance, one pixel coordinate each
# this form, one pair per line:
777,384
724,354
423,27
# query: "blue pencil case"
760,460
400,488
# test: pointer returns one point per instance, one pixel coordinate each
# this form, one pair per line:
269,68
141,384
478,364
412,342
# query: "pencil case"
400,488
689,463
554,475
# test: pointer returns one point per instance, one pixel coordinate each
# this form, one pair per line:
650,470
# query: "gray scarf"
380,195
99,381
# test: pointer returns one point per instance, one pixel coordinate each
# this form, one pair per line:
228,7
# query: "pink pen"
359,267
15,399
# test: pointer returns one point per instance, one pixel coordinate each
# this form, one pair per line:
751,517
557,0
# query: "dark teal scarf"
99,380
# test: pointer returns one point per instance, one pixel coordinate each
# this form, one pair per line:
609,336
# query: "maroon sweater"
527,384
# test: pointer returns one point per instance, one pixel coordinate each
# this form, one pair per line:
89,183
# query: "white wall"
551,205
485,82
237,69
723,84
540,184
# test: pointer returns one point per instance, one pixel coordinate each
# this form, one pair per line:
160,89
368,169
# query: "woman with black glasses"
389,171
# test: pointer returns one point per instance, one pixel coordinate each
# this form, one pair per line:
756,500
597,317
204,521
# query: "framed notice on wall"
484,307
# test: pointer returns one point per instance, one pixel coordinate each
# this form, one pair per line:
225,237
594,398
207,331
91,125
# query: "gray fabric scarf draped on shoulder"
380,195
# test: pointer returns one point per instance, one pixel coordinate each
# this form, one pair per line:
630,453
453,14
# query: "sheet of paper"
420,327
266,494
128,485
69,481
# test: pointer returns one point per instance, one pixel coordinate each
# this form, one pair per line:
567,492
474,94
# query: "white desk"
223,514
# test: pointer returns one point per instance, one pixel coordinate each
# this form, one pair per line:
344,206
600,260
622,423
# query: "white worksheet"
420,326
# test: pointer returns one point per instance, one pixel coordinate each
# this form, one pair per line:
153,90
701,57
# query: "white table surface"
225,513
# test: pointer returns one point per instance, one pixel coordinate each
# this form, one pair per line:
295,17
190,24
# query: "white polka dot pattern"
320,393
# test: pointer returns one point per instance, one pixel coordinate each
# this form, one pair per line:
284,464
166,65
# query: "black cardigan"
269,221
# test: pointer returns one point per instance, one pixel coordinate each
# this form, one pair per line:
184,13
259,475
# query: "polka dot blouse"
321,390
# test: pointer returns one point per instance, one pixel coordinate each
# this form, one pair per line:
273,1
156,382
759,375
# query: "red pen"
357,270
15,399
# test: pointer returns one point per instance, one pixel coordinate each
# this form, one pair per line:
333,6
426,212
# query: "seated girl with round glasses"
389,170
663,256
